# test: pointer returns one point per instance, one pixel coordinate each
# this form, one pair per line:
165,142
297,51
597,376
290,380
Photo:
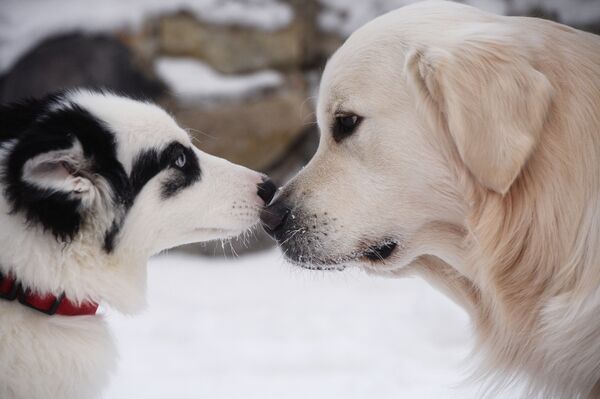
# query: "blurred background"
242,75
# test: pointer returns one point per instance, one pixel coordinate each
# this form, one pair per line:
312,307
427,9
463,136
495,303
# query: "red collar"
49,304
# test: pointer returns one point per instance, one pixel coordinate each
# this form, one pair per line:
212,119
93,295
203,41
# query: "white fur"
72,357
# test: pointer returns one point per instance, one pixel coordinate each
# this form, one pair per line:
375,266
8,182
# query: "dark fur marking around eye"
147,165
39,126
186,175
150,163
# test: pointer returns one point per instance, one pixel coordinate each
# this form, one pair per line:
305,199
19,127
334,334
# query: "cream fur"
479,153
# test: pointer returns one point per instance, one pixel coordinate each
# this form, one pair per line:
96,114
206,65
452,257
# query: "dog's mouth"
321,266
380,252
217,232
377,253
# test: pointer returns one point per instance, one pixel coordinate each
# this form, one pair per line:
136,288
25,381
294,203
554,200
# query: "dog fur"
92,185
474,163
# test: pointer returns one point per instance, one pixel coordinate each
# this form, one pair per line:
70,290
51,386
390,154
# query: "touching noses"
266,190
274,217
275,214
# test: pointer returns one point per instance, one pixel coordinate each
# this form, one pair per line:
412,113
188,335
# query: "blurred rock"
256,133
78,60
296,156
232,49
143,41
316,45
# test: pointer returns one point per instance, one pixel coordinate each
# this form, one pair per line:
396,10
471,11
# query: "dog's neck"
442,262
13,290
83,273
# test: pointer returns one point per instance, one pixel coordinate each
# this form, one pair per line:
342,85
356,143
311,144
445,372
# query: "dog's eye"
180,160
344,125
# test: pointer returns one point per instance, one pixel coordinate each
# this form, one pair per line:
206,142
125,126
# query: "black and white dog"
92,184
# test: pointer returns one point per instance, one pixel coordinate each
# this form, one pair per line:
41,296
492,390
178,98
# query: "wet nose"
273,217
266,190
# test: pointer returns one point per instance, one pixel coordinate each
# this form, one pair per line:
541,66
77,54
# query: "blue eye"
181,160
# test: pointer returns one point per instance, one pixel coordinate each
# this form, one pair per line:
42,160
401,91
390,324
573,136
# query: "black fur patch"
39,130
15,118
111,235
149,163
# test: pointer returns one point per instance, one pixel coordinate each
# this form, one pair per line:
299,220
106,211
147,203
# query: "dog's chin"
319,265
374,255
202,234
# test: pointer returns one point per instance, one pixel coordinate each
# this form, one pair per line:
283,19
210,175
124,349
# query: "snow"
24,23
569,12
259,328
193,80
345,16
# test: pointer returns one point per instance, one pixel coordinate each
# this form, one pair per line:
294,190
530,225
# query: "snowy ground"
259,328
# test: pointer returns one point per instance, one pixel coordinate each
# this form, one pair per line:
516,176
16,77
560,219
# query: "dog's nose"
266,190
273,217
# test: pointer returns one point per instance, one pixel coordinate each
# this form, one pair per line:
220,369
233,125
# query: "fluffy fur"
477,160
92,185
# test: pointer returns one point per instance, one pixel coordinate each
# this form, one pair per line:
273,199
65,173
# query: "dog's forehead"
372,59
355,76
363,65
136,125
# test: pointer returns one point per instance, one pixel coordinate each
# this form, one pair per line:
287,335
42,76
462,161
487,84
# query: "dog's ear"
49,178
49,160
492,100
62,170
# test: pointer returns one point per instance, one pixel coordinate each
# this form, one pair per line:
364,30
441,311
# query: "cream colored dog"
465,147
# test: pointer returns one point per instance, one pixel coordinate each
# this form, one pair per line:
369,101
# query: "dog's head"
414,109
102,180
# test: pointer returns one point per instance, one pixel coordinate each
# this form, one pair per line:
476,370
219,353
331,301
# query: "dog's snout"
266,190
273,217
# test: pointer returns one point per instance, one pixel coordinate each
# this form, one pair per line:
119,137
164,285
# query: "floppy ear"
49,178
493,101
63,170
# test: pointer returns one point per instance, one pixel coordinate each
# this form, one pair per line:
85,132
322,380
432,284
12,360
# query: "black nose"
266,190
273,217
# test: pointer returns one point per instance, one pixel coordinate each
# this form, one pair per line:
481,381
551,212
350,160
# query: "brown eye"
345,125
180,160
